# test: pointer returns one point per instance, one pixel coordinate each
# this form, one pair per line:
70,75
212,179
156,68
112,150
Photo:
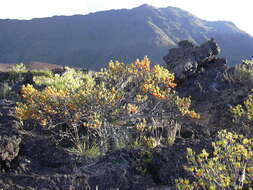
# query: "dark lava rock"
199,71
202,75
10,138
3,76
40,182
31,160
167,163
213,87
6,111
117,171
188,59
9,145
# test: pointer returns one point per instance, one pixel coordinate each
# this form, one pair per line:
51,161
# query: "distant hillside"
92,40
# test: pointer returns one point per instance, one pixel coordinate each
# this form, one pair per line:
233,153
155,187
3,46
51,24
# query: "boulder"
189,59
168,162
9,136
213,87
9,146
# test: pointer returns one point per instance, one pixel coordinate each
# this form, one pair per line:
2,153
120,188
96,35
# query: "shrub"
17,76
119,101
227,167
243,114
243,73
45,73
142,161
18,68
17,73
5,90
85,148
69,81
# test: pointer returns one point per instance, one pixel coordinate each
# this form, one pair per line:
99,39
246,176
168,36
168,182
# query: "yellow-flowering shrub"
18,74
243,114
229,166
183,105
118,97
45,106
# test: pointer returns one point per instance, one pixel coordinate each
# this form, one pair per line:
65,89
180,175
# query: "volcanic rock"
188,59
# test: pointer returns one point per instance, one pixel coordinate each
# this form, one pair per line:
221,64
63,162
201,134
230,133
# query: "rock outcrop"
205,77
199,71
189,59
9,136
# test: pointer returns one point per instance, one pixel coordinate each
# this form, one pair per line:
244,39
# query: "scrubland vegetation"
134,106
120,106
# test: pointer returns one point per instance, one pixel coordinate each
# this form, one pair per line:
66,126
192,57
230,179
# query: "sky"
239,12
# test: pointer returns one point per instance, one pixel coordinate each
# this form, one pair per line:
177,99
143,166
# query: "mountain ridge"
94,39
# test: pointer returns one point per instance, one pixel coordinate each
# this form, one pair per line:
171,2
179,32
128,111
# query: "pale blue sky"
239,12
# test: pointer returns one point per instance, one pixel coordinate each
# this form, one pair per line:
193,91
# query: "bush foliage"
135,105
119,101
229,166
244,72
243,114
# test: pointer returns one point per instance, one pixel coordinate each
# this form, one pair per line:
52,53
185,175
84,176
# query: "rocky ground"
29,158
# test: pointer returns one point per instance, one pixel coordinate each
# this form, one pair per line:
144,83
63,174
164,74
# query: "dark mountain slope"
92,40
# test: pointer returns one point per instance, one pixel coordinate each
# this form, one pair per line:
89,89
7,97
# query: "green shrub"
17,73
243,72
5,90
142,160
18,68
70,80
229,166
84,148
45,73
